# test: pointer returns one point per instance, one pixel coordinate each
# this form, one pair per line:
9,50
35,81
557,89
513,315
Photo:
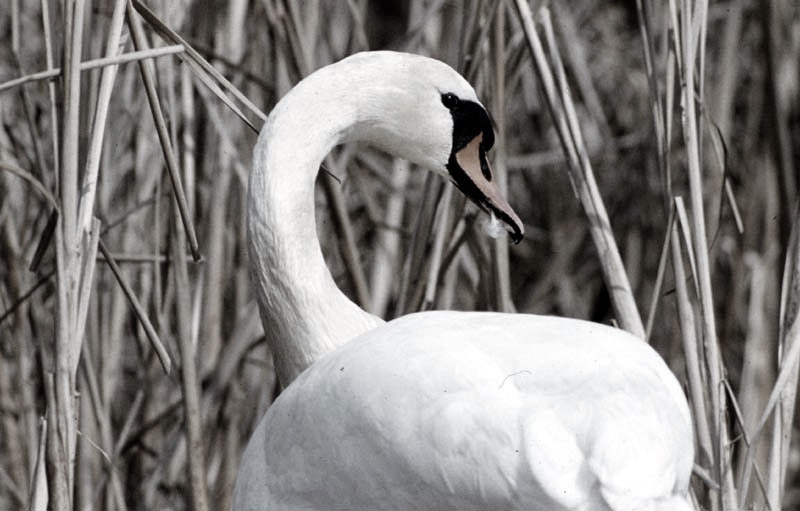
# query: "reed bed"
650,147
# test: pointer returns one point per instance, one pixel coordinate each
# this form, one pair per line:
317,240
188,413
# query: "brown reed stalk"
61,459
500,259
561,109
134,24
190,383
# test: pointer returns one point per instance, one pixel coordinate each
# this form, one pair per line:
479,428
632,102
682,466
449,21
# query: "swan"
437,410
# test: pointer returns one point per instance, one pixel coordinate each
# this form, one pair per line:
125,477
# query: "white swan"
436,410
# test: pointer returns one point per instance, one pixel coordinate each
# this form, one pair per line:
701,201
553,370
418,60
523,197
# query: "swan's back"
445,410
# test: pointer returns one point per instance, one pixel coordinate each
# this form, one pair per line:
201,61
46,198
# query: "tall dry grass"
133,366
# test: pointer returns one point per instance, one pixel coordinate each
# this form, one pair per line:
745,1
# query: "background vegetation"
132,363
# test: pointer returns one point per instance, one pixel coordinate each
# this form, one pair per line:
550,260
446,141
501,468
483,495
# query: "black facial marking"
485,170
469,120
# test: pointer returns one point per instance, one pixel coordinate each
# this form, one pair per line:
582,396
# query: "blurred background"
122,219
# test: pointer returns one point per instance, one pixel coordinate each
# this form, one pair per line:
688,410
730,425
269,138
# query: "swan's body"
437,410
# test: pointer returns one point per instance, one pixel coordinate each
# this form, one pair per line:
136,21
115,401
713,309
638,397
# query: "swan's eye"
450,100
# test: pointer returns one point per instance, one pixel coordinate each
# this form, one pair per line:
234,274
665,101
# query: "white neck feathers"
391,100
303,312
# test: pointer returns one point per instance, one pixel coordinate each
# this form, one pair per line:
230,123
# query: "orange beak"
470,171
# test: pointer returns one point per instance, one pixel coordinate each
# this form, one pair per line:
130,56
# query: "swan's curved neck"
303,311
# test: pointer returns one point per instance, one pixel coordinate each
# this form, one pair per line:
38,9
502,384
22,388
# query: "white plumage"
435,410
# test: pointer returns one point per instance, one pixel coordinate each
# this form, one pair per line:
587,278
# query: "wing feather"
479,411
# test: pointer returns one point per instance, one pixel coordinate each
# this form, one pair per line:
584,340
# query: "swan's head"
421,109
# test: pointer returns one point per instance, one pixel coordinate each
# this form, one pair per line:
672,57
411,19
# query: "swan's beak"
469,168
